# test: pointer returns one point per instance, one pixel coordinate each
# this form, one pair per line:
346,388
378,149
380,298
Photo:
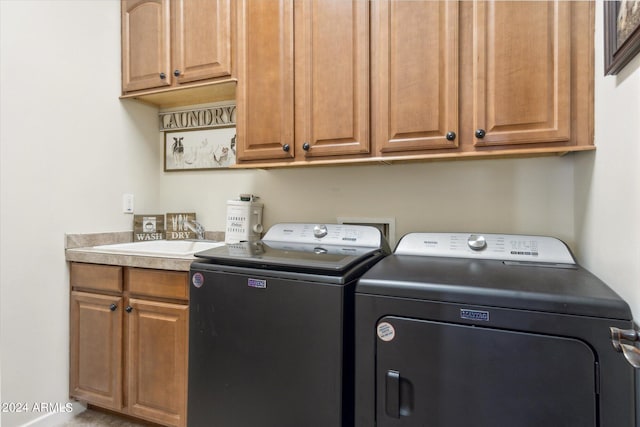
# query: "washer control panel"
506,247
327,234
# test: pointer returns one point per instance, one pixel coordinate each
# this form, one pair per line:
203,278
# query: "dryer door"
448,375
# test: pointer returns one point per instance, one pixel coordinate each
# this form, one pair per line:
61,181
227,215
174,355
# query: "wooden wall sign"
148,227
211,117
177,228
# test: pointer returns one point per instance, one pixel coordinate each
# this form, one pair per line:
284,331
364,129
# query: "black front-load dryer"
457,330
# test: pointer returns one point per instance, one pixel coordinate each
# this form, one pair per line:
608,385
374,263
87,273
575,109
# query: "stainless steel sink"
160,248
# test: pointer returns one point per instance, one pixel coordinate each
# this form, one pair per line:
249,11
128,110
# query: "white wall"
70,148
512,196
607,194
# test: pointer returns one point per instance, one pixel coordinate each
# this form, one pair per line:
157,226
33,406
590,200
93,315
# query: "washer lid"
308,248
287,256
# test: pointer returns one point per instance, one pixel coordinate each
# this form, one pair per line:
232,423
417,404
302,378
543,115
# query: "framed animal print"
200,149
621,34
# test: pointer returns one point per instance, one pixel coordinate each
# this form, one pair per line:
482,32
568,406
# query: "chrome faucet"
196,227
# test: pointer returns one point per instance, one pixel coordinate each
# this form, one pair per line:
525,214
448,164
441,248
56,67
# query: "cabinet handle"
306,146
480,133
129,309
176,73
286,148
113,307
163,76
451,136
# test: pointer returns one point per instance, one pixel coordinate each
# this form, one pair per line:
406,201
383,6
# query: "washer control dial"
477,242
319,231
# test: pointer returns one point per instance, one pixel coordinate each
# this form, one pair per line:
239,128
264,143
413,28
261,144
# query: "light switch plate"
127,203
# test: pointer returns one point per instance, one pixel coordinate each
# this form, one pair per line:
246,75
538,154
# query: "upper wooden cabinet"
265,104
521,72
201,39
332,77
472,78
328,71
168,44
146,53
414,75
445,79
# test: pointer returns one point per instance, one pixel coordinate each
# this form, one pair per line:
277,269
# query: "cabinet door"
414,75
146,51
264,117
96,349
521,72
201,39
157,346
332,77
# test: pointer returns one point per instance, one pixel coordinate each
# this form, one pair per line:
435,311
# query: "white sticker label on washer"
386,332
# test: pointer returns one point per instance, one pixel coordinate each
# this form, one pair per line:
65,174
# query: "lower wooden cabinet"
96,349
157,361
128,349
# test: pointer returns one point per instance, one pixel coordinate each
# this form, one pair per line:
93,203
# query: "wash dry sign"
154,227
148,227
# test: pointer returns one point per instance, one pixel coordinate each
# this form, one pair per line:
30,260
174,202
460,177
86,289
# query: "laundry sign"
210,117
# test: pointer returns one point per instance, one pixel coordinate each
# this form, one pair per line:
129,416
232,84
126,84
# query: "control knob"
477,242
319,231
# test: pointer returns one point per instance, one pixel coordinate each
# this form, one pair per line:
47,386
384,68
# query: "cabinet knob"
306,146
451,136
129,309
113,307
176,73
286,148
163,76
480,133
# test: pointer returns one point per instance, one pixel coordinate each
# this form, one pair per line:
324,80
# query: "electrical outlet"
127,203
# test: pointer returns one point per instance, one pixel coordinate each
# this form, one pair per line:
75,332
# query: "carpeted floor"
93,418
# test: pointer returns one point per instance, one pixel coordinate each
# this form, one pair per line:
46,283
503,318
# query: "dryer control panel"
505,247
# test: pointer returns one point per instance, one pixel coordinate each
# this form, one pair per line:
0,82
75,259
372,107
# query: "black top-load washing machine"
271,327
489,330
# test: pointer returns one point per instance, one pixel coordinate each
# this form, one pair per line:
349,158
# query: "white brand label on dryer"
386,332
257,283
474,314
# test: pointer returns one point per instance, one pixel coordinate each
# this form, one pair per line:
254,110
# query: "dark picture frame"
621,36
